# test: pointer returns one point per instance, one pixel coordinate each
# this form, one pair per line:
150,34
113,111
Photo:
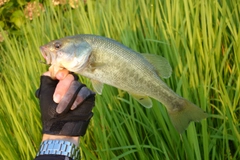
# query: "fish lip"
45,54
42,49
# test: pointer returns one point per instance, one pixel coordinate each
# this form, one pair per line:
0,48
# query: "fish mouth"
46,55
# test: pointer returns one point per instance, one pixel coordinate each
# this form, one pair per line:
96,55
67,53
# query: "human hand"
69,117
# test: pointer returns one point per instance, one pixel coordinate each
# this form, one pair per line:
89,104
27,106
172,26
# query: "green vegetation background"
201,40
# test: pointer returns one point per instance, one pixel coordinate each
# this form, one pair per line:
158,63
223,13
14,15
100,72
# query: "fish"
107,61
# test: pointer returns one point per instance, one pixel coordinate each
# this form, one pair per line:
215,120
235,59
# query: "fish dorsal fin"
98,86
143,100
161,64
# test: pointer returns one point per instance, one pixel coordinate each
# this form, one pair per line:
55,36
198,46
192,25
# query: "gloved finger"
87,106
81,96
45,81
69,97
84,110
62,88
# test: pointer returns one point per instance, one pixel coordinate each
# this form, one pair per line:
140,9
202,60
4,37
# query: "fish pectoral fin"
95,65
143,100
98,86
161,64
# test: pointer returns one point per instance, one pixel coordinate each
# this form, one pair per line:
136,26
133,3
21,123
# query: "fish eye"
57,45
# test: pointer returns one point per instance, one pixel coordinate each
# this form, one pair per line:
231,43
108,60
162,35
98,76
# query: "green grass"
200,38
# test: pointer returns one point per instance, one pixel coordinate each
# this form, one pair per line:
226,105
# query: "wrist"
72,139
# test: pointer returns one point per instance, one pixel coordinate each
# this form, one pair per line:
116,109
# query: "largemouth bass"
106,61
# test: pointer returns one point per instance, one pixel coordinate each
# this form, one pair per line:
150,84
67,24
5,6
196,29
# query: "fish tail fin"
185,112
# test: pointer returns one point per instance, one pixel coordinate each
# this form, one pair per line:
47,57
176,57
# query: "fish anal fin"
98,86
161,64
143,100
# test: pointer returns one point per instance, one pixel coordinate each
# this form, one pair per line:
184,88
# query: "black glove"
71,116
